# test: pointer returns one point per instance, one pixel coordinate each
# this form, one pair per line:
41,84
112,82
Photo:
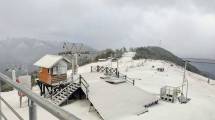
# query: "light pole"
184,79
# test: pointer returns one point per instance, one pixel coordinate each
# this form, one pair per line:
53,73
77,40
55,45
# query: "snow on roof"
48,61
115,101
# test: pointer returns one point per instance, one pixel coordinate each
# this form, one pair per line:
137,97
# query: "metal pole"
0,100
185,67
76,63
32,111
117,64
187,90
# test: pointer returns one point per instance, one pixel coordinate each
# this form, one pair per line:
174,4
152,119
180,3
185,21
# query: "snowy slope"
202,94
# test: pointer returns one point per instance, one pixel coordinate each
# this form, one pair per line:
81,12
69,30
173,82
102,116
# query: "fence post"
97,68
106,70
133,82
91,68
32,111
118,74
80,79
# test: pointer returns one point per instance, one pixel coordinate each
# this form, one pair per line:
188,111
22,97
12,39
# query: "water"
206,67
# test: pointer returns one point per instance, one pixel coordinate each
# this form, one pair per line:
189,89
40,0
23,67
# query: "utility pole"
185,80
184,75
117,62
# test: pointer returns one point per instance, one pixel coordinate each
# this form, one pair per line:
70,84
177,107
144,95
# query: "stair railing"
66,88
85,85
49,93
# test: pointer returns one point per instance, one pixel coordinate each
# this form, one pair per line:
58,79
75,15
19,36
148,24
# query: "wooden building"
53,69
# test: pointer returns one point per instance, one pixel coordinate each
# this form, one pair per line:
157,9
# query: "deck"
116,100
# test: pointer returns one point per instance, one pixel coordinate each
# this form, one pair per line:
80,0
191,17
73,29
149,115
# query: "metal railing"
10,107
129,80
106,70
42,102
85,84
112,72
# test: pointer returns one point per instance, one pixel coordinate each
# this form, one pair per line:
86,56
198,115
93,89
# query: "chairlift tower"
74,50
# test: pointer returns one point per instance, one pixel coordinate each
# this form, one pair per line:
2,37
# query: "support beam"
32,111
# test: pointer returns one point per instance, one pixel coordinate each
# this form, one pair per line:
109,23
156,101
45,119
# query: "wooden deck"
116,100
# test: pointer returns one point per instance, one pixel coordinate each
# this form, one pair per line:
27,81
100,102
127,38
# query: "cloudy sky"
185,27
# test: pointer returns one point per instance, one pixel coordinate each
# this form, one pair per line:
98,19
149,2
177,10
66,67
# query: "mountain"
25,51
158,53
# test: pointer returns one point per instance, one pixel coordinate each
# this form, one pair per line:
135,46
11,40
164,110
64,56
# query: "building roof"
48,61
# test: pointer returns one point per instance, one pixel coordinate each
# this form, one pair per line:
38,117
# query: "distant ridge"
158,53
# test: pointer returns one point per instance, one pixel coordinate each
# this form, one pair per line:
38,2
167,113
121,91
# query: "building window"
62,67
55,70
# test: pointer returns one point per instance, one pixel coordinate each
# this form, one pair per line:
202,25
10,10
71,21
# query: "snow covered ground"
202,94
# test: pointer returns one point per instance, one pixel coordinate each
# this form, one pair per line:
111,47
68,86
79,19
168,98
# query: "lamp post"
184,79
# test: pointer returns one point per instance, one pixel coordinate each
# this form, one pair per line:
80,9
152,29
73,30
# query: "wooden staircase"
61,96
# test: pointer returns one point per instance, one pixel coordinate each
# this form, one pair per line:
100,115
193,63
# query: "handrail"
130,80
63,89
83,81
53,109
2,115
48,94
17,115
86,85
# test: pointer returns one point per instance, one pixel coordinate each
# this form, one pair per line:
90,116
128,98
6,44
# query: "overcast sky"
185,27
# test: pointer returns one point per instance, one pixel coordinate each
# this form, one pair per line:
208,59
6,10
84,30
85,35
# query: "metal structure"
185,81
193,60
170,94
112,72
59,97
34,98
74,50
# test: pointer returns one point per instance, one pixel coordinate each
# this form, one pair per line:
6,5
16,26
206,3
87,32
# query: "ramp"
116,100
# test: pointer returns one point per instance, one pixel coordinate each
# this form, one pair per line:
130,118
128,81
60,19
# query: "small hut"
53,69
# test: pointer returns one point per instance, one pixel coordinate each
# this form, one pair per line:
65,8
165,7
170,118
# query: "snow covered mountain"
202,95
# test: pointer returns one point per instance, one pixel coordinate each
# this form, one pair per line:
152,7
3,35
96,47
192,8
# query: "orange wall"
44,75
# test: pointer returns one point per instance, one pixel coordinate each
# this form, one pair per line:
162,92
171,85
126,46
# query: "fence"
34,98
106,70
112,72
